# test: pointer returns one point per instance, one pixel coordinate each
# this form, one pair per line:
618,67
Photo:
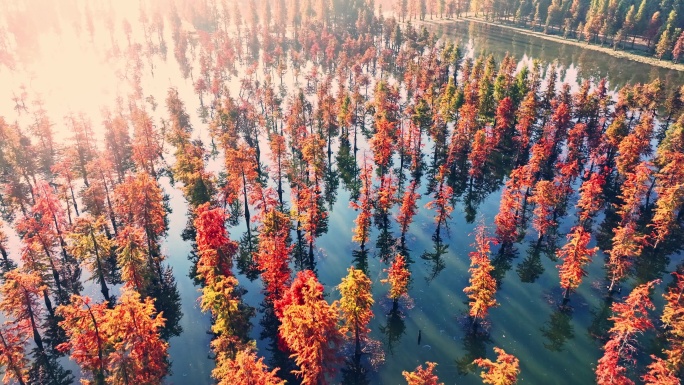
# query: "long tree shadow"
502,262
531,267
474,346
46,369
168,302
279,356
435,258
394,327
558,329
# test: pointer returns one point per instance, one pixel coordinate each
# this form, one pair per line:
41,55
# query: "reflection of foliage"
360,259
531,267
558,329
502,262
475,346
386,241
47,370
347,168
249,242
600,324
354,373
434,258
278,359
167,301
331,180
54,334
394,328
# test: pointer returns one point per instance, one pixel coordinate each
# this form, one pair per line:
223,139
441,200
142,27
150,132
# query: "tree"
673,319
356,306
398,277
131,258
546,199
678,49
575,255
506,220
13,354
216,251
482,287
664,44
590,197
88,243
502,372
20,294
146,145
84,324
630,318
408,209
365,204
139,355
627,244
659,373
273,255
139,201
309,329
422,376
246,368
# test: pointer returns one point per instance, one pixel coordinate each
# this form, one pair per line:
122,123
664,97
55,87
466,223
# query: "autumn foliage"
482,287
630,318
503,371
309,328
398,277
422,376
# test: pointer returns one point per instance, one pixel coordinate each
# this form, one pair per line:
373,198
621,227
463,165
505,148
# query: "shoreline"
606,50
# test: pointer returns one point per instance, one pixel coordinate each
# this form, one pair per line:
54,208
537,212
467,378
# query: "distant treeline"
649,25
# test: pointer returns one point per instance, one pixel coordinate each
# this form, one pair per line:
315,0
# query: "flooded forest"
329,192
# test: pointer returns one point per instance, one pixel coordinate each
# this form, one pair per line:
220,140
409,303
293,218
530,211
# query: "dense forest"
653,27
296,100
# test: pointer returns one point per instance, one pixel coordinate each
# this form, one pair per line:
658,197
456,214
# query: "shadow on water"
558,329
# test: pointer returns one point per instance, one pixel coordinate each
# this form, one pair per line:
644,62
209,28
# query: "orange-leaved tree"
246,368
132,259
273,255
398,277
502,372
365,204
660,373
630,318
575,255
139,354
422,376
673,319
13,354
215,249
84,324
20,295
482,287
309,329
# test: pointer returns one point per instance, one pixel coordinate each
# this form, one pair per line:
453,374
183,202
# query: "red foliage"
313,345
590,197
408,207
215,249
630,318
575,255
